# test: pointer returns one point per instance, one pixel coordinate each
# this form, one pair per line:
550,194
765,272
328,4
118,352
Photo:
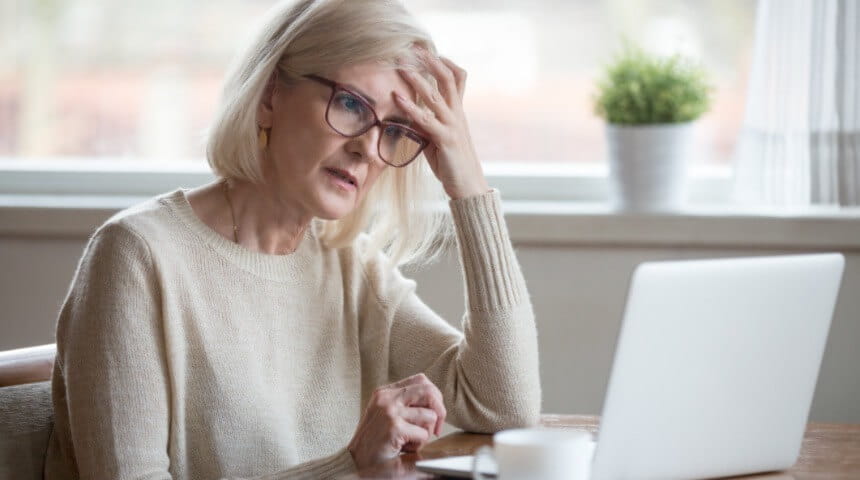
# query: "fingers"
422,417
419,391
450,78
424,119
411,437
459,75
443,101
399,417
428,396
445,79
428,93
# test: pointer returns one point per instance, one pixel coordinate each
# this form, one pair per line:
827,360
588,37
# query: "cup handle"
482,452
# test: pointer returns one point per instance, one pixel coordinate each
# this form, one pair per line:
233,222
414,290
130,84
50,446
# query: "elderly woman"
254,326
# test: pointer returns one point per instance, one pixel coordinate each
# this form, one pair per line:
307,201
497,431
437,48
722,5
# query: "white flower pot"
648,166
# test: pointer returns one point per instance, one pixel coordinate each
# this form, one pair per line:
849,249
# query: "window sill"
699,226
548,223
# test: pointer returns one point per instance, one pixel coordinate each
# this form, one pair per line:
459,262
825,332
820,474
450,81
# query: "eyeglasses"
350,115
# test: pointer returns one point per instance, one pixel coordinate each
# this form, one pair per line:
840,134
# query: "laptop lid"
716,366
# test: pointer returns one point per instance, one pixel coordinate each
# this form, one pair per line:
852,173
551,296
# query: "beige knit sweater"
184,355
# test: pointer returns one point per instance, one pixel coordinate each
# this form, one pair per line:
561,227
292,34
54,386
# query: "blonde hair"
402,213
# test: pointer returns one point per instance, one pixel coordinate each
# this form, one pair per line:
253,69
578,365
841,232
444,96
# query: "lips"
343,174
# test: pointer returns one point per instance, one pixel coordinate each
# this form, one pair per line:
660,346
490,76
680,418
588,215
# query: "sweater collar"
275,267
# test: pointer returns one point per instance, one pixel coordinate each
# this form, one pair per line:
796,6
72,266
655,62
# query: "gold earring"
263,139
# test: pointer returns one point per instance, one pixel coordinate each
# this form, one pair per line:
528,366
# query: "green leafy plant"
639,88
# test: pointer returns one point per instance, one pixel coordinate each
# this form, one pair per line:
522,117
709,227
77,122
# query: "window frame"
546,182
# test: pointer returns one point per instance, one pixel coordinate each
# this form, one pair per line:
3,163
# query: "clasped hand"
400,417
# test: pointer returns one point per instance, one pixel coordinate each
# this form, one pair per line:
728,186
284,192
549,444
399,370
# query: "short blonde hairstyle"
402,213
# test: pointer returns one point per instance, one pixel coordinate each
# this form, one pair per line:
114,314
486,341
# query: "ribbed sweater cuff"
493,277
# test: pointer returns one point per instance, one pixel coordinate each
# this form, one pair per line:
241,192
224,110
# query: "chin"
335,209
331,215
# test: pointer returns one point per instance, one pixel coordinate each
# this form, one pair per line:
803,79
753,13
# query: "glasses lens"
348,114
398,145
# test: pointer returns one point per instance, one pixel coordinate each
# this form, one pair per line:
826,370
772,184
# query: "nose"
365,146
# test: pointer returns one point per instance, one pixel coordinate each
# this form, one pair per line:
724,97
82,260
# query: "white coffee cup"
539,454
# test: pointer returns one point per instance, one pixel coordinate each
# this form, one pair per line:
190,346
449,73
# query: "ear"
265,109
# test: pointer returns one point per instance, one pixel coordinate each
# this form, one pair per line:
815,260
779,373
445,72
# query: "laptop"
714,370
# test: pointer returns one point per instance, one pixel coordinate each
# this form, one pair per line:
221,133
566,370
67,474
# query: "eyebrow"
367,98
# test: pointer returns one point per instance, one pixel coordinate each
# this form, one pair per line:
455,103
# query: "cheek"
373,174
300,137
301,146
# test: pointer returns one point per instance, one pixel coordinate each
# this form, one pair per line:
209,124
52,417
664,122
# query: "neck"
265,220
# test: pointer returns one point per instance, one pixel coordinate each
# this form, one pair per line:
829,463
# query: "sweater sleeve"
111,353
489,374
336,465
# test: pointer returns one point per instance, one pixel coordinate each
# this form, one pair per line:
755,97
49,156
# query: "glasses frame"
335,87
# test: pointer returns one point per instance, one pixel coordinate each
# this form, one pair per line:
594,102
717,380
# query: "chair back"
26,421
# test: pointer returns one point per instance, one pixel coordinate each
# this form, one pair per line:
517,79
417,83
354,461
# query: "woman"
246,328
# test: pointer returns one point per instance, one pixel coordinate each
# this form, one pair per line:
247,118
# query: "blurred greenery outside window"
136,82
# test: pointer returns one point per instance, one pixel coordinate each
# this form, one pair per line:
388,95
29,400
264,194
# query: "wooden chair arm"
27,365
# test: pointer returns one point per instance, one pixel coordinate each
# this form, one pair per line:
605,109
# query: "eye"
394,132
350,103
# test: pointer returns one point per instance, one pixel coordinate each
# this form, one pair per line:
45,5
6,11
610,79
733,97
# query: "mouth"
344,178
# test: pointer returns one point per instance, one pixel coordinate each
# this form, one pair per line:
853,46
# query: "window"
136,82
533,66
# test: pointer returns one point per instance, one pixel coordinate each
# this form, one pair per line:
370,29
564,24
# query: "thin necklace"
232,214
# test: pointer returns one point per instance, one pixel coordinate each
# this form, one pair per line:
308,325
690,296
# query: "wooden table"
829,451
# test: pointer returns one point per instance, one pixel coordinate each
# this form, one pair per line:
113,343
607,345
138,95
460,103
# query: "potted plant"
650,104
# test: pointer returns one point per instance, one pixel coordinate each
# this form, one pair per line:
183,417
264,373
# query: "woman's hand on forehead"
451,155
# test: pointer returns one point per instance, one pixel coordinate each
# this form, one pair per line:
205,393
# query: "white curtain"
800,144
